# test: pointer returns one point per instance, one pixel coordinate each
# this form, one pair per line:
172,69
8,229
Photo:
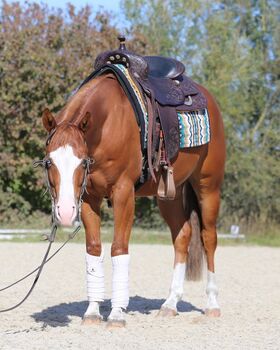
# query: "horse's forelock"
68,134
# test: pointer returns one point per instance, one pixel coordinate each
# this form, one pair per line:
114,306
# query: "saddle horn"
122,39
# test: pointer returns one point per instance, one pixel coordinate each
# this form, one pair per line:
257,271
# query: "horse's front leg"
123,205
94,259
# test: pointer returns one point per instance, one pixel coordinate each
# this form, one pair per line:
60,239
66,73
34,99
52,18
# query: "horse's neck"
107,104
74,109
104,99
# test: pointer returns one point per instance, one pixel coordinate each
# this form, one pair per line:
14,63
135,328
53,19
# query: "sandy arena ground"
248,279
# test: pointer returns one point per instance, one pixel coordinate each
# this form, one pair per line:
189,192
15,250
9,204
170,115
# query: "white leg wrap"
95,277
212,291
120,293
177,287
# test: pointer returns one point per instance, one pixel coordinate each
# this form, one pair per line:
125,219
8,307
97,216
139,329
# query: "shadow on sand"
59,315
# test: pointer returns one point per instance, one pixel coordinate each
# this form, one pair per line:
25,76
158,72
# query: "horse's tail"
196,253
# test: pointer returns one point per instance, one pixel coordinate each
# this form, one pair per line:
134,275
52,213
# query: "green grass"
138,236
151,236
269,240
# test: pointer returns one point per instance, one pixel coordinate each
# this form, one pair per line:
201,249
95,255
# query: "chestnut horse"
99,122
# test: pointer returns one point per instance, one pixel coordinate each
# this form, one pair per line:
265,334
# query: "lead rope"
53,232
50,237
40,267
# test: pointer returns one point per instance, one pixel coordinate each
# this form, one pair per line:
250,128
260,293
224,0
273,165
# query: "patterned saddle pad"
193,126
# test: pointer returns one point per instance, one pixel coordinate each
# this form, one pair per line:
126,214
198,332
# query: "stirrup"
166,187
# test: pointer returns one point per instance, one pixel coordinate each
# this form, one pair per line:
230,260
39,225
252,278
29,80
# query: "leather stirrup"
166,187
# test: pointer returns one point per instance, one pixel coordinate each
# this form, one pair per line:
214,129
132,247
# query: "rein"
46,163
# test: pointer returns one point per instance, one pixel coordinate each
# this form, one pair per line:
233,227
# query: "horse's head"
66,165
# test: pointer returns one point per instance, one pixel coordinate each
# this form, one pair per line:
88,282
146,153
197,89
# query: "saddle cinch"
165,90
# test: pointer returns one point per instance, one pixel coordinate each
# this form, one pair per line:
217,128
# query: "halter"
46,163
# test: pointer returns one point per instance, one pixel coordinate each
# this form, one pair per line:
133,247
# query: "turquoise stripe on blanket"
194,128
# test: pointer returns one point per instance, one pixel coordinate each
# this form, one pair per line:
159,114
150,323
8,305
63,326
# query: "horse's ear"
84,122
48,120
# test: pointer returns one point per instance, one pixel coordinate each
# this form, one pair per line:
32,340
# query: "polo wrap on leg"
95,277
120,291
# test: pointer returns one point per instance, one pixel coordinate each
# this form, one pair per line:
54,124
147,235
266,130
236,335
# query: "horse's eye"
48,163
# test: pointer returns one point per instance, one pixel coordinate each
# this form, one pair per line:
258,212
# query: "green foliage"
231,47
44,55
147,213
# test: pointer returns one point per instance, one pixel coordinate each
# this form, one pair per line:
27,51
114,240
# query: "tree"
44,56
231,47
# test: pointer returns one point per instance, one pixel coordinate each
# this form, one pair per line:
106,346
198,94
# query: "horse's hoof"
113,324
167,312
91,320
213,312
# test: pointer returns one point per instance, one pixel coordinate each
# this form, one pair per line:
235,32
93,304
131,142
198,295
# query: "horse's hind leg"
209,203
179,223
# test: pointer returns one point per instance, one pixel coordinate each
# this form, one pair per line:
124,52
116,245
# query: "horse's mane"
77,105
68,119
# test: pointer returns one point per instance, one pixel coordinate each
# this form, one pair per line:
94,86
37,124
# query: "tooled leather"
199,101
135,62
170,126
169,94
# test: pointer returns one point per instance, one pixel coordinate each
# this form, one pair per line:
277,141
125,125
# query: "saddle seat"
160,77
163,67
143,67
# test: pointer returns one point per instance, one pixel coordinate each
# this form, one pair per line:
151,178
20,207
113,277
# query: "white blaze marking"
66,163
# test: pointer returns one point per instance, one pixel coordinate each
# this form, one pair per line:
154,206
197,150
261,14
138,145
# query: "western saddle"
166,90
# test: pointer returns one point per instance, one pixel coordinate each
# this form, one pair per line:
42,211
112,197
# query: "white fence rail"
9,234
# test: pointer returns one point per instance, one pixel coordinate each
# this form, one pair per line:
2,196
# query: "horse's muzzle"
66,213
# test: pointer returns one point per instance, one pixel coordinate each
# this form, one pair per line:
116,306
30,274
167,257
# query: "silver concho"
188,101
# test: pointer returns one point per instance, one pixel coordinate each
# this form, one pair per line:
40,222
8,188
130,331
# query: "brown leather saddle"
166,90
